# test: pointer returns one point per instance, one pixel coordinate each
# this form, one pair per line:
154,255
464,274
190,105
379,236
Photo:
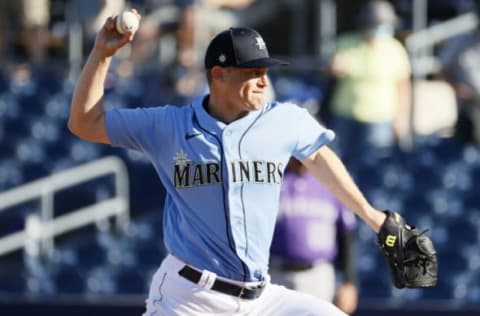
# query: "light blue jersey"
222,181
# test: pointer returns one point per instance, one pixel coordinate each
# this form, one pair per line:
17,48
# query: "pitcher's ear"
218,73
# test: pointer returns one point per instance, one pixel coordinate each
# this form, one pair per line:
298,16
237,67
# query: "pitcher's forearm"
87,102
329,169
90,87
87,117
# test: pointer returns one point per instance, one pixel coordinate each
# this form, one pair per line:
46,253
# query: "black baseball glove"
409,253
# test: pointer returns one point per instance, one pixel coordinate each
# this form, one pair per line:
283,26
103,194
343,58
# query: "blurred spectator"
92,14
159,18
202,21
370,103
193,22
312,227
24,22
460,59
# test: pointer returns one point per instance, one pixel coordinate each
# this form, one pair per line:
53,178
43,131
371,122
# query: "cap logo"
222,58
260,43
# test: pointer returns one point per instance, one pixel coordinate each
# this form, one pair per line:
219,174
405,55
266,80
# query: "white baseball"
126,22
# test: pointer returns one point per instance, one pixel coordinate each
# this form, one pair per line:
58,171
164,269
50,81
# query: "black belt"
222,286
296,266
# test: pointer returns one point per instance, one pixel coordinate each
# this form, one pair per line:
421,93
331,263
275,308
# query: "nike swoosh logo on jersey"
188,136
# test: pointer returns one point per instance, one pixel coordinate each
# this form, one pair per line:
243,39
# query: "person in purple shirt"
313,230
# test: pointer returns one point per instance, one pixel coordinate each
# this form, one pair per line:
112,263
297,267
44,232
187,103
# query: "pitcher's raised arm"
86,112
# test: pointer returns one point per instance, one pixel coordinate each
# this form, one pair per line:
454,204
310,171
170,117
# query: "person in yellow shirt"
371,99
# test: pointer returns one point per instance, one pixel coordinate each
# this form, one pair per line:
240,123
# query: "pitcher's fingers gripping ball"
127,22
409,253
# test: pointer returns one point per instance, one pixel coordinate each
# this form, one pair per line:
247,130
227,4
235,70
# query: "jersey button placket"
230,143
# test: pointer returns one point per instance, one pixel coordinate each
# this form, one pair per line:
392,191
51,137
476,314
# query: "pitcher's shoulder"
283,107
174,110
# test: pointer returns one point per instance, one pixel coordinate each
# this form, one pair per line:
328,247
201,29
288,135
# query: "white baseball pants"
172,295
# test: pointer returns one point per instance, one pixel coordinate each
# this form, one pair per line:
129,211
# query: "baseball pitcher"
222,160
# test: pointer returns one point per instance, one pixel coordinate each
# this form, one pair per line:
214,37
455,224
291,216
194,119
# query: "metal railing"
421,42
45,227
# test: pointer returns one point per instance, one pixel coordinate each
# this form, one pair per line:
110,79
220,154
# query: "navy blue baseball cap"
239,47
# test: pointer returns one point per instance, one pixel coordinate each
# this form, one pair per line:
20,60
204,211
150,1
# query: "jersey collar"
213,125
205,120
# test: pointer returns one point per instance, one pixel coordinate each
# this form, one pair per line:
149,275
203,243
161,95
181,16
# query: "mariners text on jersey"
190,174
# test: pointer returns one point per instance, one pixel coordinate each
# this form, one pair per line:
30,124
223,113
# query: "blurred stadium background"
87,239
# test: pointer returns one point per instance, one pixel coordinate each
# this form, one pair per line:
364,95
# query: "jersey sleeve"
310,135
134,128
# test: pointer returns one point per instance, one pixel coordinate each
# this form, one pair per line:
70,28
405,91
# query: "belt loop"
207,279
267,279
